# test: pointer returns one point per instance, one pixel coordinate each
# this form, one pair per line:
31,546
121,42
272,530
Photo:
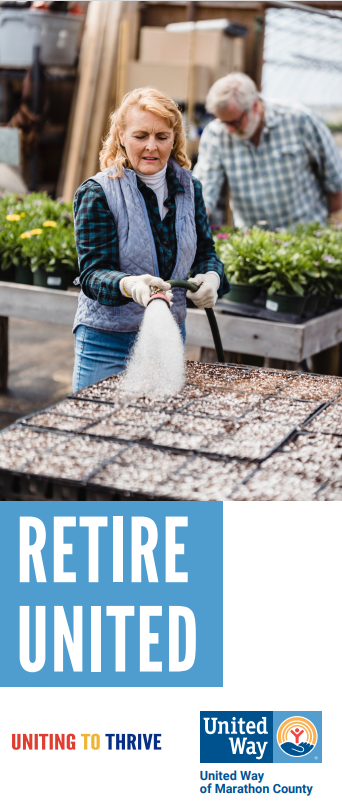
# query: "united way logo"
297,736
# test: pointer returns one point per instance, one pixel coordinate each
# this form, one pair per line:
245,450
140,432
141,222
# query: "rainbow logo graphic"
297,736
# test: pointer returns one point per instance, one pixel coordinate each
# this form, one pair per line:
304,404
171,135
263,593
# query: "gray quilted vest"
137,252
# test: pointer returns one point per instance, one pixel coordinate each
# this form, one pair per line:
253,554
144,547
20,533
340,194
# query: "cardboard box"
169,78
212,49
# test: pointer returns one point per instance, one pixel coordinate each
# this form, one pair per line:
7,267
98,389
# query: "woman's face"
148,141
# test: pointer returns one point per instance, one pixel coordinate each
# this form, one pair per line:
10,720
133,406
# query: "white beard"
252,125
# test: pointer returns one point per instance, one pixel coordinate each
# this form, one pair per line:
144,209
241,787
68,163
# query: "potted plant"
296,269
52,255
238,253
11,224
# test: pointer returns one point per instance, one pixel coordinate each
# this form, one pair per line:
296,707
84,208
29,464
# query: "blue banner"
111,594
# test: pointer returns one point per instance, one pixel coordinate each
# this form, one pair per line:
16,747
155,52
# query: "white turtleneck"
157,183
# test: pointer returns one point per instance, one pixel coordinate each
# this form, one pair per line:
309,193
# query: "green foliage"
36,231
50,250
300,262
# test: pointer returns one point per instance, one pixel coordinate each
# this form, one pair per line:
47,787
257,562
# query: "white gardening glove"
140,288
208,284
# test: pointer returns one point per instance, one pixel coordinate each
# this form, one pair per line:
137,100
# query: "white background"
282,651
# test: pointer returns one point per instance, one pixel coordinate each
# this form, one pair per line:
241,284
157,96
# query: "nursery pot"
323,303
281,302
23,274
242,293
311,303
58,280
8,275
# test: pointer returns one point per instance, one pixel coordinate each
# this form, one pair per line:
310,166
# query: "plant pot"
8,275
281,302
23,274
242,293
323,303
311,303
58,280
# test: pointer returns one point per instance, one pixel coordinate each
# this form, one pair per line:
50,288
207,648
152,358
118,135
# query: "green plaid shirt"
97,242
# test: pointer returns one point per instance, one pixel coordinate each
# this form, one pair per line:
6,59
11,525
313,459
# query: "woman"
138,223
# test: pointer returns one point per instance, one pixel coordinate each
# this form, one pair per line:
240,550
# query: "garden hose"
210,315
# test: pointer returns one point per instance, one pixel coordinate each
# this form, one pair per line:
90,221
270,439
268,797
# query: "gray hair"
235,87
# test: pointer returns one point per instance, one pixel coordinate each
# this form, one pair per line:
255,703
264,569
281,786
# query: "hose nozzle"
156,293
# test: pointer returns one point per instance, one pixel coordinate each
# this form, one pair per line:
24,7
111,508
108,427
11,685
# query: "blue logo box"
111,594
261,737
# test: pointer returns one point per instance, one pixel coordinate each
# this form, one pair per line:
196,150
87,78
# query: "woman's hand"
140,288
208,284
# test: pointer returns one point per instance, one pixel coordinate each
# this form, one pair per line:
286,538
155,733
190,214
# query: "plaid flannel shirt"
283,181
98,246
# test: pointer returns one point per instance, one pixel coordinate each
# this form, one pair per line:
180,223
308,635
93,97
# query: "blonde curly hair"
147,99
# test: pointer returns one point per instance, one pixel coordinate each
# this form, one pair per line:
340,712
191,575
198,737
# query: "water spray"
210,312
156,367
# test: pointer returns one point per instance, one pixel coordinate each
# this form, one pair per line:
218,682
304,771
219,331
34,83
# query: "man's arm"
209,169
324,154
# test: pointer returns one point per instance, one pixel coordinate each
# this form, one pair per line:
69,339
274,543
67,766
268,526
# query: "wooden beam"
106,76
247,335
37,303
256,336
90,57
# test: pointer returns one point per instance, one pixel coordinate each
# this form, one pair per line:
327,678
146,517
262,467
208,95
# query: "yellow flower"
25,235
36,231
51,223
22,214
12,217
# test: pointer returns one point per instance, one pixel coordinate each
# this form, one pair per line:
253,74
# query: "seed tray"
177,440
150,458
15,458
232,432
126,432
211,374
77,459
55,421
284,406
293,416
305,466
227,405
178,402
267,485
83,409
204,479
329,420
331,492
195,424
260,382
137,478
23,437
322,388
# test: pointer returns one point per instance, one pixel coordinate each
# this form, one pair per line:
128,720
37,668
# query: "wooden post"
3,353
95,93
90,58
122,60
102,99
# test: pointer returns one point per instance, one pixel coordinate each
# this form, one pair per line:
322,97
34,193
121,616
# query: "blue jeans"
101,354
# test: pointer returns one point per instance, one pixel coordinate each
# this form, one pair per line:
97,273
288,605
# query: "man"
281,161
